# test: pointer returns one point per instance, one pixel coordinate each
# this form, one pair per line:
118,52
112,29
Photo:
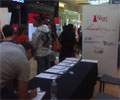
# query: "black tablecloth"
77,83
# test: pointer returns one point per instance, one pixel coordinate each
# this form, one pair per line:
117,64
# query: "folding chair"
110,80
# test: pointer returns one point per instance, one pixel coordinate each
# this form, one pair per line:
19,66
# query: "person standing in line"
53,36
20,36
41,43
67,39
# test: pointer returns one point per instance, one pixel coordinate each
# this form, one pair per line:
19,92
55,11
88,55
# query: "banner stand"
100,37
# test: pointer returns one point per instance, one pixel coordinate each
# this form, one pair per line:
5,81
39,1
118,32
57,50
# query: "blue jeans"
43,63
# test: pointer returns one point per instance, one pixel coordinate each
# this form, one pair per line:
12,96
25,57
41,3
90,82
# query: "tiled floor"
33,65
109,89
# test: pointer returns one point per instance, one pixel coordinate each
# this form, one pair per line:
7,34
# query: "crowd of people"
16,51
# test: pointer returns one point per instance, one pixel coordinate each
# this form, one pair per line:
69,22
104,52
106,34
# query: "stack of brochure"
47,76
73,59
58,69
88,60
63,66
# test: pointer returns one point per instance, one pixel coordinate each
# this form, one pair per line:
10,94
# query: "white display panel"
3,17
100,37
9,17
31,29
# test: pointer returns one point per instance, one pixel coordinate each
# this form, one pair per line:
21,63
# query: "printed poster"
3,17
100,37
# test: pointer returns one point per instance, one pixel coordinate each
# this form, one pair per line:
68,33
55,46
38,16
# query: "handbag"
56,45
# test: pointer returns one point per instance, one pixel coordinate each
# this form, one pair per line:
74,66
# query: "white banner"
100,36
31,29
3,17
9,17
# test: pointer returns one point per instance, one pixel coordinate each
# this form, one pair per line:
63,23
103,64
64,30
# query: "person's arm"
10,86
23,93
23,68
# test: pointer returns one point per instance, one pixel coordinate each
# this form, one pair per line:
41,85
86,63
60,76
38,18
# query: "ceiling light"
96,2
61,4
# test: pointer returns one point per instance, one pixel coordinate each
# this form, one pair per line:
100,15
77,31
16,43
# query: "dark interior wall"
30,6
11,8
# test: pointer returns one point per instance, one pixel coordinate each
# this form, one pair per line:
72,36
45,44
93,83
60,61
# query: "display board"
3,17
100,37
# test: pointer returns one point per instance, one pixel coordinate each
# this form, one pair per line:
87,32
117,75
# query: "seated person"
14,66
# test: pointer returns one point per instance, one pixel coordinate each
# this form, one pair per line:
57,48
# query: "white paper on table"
67,64
40,95
57,71
47,76
59,67
70,61
75,59
63,64
87,60
71,65
67,61
74,62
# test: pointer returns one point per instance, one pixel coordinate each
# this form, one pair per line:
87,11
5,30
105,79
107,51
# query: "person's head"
65,27
70,27
8,31
29,49
44,18
52,26
36,21
22,30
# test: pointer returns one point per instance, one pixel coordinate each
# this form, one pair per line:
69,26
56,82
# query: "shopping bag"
56,45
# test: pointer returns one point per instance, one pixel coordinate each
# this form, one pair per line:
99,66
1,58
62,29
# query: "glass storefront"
69,17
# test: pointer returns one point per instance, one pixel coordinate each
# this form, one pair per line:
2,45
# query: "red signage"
94,19
98,51
56,20
31,17
100,18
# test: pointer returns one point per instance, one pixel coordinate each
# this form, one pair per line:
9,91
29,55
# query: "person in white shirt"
41,44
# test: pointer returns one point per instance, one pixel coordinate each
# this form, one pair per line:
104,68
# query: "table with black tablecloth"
77,83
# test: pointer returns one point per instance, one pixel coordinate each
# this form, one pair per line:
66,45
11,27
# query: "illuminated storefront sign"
20,1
